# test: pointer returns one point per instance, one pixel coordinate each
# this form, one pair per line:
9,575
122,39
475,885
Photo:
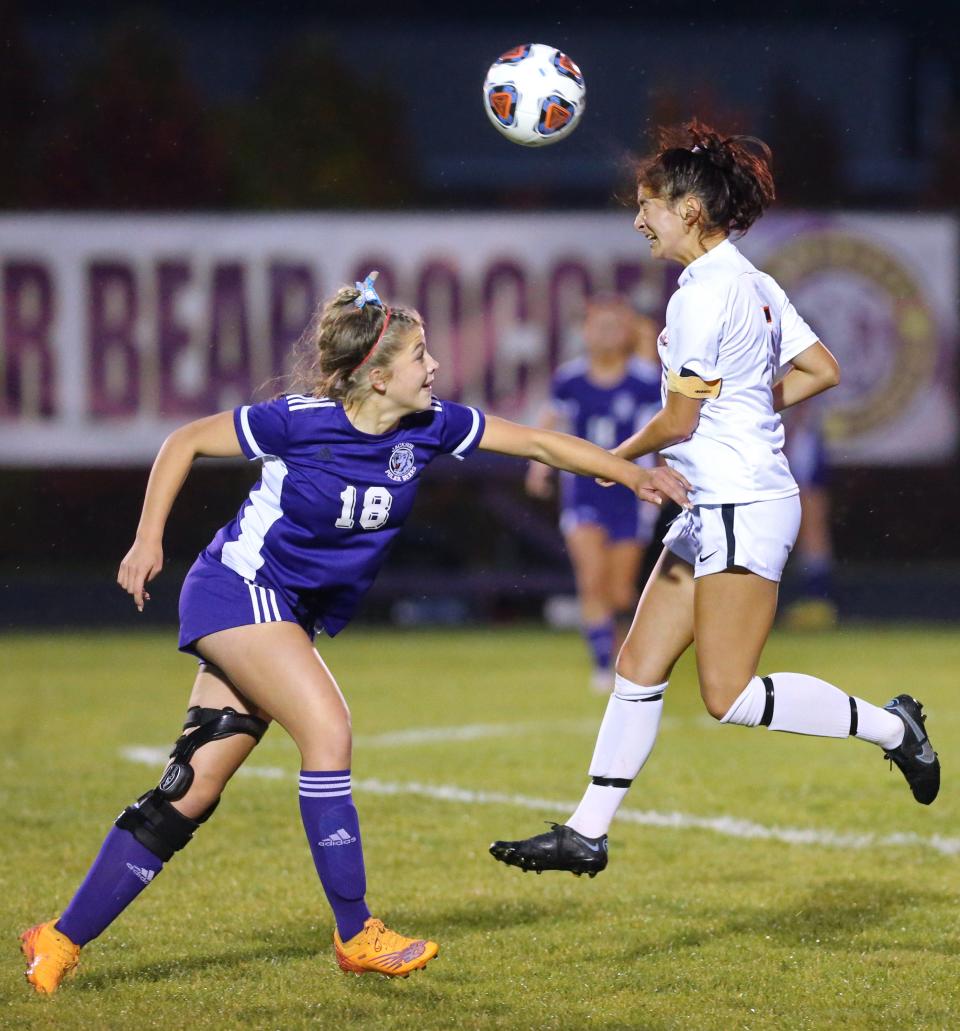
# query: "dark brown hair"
327,358
732,176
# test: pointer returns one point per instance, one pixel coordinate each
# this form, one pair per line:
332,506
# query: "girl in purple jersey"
603,397
340,465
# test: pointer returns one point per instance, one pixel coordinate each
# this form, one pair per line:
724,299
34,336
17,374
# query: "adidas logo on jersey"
340,837
141,873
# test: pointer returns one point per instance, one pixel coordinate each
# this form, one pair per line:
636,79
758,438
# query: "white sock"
792,702
625,741
748,706
801,704
878,726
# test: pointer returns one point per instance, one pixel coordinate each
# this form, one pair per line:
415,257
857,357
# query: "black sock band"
854,717
611,782
768,706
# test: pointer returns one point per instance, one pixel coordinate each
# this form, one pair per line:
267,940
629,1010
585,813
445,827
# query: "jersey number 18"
376,508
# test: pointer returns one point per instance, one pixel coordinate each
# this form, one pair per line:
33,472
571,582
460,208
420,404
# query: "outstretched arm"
579,456
814,370
539,477
214,437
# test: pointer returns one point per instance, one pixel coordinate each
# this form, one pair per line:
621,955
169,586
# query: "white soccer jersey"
729,321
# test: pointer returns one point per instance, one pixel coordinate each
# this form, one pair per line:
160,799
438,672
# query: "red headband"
386,322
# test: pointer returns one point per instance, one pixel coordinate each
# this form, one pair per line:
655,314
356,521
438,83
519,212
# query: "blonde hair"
340,338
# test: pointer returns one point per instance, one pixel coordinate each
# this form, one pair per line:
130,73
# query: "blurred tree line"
130,130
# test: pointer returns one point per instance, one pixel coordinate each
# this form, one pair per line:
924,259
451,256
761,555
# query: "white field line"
729,826
467,732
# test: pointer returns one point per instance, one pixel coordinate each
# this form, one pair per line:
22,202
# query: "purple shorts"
614,509
622,523
806,452
214,597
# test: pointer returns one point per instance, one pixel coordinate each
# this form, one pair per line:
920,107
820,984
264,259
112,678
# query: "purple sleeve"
461,428
263,429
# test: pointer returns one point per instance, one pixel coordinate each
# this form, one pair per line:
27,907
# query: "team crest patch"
402,464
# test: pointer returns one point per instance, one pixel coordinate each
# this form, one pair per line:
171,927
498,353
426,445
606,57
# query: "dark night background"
294,106
250,106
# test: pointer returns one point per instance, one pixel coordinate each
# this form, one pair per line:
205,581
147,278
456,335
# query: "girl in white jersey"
730,331
341,463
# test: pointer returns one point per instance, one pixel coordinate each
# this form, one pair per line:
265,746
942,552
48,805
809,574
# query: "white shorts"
757,536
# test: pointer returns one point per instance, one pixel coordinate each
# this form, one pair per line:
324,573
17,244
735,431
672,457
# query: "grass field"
698,922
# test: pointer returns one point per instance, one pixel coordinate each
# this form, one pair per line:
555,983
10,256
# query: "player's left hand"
663,482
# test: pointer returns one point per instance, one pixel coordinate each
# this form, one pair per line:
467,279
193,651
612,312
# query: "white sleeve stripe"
468,439
245,425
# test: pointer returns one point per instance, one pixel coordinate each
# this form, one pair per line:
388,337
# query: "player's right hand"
140,565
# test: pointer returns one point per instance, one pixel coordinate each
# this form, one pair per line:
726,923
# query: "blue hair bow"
367,292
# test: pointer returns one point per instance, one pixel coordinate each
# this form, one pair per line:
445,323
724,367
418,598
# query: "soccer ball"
534,94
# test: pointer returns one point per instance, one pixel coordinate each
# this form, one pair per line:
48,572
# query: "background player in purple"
604,397
341,463
814,608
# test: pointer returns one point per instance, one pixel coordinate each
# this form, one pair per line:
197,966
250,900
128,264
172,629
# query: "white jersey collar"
720,253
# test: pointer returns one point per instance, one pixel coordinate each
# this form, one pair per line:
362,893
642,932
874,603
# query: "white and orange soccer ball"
534,94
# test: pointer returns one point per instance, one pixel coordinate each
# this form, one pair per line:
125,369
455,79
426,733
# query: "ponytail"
732,176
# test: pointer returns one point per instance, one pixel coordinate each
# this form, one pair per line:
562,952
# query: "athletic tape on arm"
693,386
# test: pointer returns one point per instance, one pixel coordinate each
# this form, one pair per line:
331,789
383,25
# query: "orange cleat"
51,957
381,951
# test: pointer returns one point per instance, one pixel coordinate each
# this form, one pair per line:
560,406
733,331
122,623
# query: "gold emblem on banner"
909,368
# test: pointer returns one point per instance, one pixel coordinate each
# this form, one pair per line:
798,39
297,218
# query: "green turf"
686,929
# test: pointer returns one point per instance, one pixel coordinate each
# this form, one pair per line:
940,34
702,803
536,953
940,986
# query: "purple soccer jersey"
331,499
605,415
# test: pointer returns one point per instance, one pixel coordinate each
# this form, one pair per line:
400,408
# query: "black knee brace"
211,725
152,820
159,827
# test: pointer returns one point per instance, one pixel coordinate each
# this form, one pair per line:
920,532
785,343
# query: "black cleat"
914,755
560,848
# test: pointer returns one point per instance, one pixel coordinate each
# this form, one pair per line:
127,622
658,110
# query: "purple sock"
600,639
120,872
333,830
